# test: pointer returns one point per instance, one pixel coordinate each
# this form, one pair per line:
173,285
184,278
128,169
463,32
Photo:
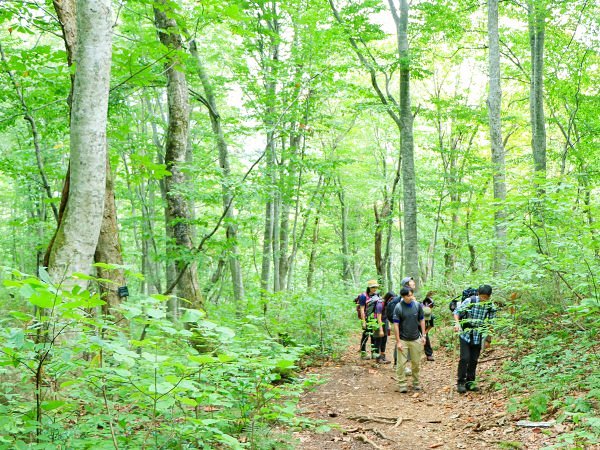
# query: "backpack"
389,309
357,301
371,304
467,293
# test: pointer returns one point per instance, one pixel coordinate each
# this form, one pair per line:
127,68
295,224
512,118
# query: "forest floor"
360,401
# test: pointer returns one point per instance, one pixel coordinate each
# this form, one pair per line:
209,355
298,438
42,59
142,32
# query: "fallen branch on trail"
495,358
379,419
399,421
366,440
381,435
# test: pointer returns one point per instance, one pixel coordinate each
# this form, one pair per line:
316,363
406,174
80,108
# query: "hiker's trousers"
467,365
413,351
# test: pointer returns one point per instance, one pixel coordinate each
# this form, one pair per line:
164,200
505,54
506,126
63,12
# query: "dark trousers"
428,349
365,338
379,343
469,354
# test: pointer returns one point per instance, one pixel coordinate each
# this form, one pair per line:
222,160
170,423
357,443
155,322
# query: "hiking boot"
472,387
382,360
430,358
403,389
364,355
461,388
417,388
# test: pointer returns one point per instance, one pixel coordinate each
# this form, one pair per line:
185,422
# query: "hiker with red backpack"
366,303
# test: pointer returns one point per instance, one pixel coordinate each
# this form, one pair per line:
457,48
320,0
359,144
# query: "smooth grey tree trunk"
498,155
411,243
178,211
77,236
401,113
268,228
346,270
537,29
228,204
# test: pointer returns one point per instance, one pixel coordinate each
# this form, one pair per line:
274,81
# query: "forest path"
361,401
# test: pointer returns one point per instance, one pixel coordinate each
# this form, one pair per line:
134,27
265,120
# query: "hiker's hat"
405,281
372,283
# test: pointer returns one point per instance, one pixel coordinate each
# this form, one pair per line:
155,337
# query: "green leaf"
285,364
44,299
52,404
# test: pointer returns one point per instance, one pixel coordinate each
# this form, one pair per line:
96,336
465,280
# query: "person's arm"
421,319
397,334
457,311
362,301
456,322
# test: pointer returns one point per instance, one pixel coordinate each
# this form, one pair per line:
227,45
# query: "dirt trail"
360,400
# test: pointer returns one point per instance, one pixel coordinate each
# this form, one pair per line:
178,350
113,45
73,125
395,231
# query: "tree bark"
537,28
498,156
77,236
228,204
178,211
411,244
346,270
108,250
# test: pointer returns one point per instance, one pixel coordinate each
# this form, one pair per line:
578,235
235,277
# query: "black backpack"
467,293
389,309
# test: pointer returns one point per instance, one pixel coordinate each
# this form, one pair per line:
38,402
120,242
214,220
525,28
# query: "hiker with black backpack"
428,305
472,319
366,307
384,327
409,330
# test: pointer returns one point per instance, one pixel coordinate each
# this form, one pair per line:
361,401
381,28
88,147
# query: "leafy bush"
82,381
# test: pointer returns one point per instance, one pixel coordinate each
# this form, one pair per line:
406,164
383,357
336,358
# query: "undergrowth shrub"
80,381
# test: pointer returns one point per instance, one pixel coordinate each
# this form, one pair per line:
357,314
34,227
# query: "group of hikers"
410,322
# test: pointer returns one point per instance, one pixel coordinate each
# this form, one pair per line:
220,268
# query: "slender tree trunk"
178,211
346,270
228,204
494,111
108,249
411,244
268,229
312,260
77,236
537,29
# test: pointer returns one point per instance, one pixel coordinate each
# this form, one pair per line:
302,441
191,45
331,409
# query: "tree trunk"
537,26
494,111
411,244
178,211
230,221
108,250
312,260
346,270
77,236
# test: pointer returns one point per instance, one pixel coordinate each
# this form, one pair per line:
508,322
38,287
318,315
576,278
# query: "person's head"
407,294
408,282
484,292
372,286
388,296
428,302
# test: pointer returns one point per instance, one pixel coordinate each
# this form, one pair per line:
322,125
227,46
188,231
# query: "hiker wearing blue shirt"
471,319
